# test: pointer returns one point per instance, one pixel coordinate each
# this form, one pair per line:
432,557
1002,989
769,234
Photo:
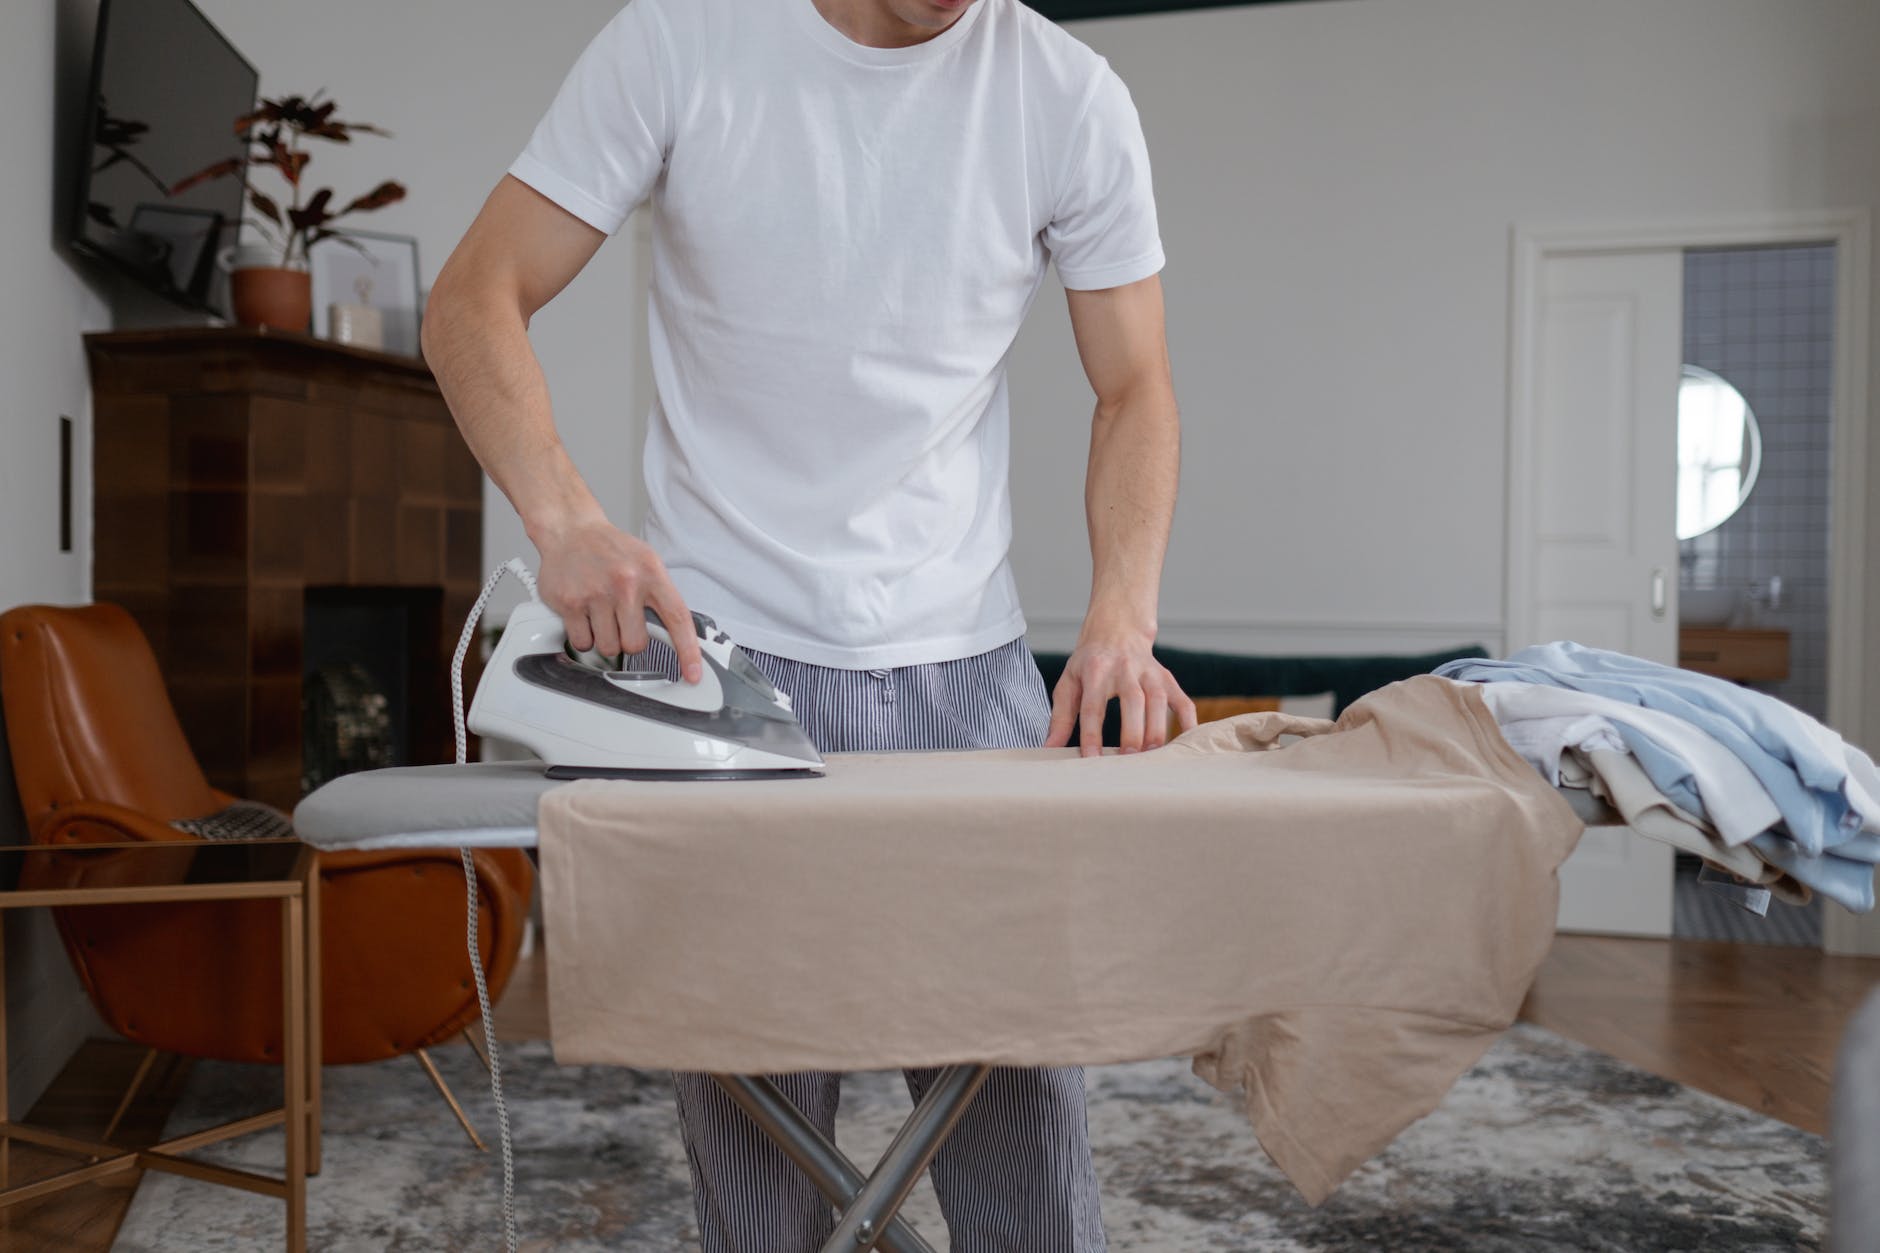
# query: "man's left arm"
1129,501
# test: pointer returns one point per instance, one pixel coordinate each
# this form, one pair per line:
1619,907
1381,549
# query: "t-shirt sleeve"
602,143
1103,231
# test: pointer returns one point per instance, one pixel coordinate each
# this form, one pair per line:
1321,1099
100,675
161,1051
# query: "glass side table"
287,871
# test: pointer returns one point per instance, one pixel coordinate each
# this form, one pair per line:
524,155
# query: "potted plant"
270,285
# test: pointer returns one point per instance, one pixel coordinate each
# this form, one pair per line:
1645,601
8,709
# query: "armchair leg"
437,1081
473,1037
130,1094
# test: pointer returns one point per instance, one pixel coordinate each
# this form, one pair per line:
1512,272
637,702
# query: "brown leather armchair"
100,758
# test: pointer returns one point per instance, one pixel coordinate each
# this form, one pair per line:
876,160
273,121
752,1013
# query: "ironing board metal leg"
833,1174
865,1219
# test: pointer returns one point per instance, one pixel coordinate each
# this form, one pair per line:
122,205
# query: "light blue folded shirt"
1669,773
1844,874
1807,783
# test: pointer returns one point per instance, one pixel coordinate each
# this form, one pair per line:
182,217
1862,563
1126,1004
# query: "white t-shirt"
845,241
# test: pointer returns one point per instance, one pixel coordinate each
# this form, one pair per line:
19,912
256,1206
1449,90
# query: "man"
855,201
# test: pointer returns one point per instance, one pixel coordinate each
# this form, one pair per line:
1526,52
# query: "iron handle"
1659,592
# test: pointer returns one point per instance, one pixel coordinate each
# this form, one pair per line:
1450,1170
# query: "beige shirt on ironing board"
1618,779
1336,928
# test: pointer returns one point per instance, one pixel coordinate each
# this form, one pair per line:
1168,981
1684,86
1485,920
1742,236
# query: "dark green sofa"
1233,674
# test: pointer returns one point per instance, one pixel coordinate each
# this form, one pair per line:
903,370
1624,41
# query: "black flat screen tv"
166,90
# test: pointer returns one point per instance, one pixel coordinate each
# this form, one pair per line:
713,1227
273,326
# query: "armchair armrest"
100,822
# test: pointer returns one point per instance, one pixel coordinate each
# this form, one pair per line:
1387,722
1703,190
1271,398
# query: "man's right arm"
518,254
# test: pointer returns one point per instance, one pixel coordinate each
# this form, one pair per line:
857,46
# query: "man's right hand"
601,580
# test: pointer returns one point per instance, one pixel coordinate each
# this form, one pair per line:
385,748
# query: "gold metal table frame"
296,885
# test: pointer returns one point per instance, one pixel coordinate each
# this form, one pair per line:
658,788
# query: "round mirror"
1719,451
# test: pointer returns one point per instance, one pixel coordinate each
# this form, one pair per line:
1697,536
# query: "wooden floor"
80,1103
1752,1024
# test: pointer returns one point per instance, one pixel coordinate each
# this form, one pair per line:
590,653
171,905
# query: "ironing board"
1380,891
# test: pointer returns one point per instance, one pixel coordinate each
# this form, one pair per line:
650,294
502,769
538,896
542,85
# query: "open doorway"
1599,349
1755,440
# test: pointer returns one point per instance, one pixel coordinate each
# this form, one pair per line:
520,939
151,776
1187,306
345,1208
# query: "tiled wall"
1762,318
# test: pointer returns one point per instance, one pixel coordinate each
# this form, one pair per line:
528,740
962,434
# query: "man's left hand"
1116,664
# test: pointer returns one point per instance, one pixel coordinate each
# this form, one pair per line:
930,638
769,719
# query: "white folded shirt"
1542,741
1734,801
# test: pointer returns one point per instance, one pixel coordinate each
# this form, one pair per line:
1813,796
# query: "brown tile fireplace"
253,486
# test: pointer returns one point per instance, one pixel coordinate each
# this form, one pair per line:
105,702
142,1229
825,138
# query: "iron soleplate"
642,774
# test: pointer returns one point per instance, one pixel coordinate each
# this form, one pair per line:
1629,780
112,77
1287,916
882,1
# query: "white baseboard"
1850,934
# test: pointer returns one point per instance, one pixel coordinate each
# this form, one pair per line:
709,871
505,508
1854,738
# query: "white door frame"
1850,231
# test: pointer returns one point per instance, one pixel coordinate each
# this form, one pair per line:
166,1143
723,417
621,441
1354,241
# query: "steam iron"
591,719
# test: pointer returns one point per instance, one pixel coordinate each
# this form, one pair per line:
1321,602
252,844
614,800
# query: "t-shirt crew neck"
826,33
842,257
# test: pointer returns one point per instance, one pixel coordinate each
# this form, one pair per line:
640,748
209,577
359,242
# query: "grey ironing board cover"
485,804
1590,809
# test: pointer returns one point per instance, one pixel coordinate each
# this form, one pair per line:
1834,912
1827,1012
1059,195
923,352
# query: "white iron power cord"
515,567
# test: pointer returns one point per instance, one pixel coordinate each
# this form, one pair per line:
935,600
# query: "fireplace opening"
371,680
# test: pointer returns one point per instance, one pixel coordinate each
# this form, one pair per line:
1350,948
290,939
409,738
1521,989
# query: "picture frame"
173,246
381,272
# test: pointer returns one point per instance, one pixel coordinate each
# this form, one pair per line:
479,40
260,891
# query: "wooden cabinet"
1745,656
237,470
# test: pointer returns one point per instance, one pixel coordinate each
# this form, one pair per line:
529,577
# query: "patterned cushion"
244,820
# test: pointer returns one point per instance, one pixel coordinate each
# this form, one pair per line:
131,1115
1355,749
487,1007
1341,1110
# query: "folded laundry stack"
1757,788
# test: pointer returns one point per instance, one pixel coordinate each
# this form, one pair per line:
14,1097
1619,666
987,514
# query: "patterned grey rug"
1544,1146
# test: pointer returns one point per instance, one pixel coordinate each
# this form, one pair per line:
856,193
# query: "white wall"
45,306
1337,183
460,83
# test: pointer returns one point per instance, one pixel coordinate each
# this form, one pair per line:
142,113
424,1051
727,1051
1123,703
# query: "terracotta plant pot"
282,299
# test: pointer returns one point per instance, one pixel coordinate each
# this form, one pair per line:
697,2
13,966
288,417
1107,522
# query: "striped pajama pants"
1015,1176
